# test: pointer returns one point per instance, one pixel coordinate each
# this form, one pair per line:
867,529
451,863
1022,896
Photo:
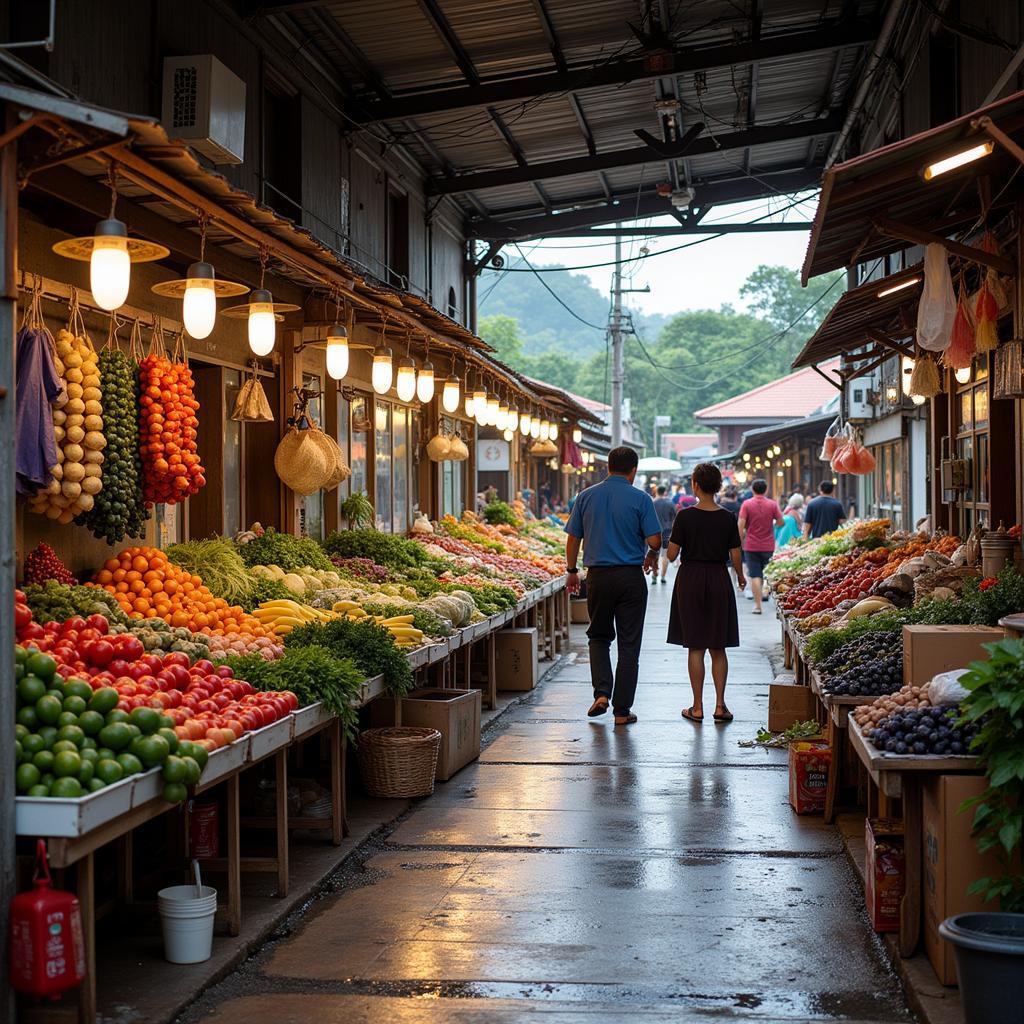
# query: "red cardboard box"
809,765
884,872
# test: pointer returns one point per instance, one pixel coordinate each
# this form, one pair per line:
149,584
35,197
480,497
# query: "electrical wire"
556,297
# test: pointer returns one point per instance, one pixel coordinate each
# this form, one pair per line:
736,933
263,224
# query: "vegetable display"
55,602
284,550
42,564
171,469
78,431
119,510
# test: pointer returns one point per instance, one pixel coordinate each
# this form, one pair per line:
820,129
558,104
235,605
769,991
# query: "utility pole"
618,360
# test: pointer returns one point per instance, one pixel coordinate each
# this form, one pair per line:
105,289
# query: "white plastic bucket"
187,922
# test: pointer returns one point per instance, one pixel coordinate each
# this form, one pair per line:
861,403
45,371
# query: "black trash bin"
989,952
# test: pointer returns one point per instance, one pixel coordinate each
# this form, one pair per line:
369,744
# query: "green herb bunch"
987,607
370,646
55,602
383,548
285,550
996,702
499,513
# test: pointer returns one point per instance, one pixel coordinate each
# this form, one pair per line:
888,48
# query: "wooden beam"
837,384
992,129
693,229
883,339
919,236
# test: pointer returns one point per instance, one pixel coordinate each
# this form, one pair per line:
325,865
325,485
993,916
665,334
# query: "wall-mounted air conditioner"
861,406
204,105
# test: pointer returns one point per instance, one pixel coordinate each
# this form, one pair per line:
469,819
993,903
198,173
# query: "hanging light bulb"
918,399
450,394
492,411
535,427
199,303
525,422
962,374
577,435
553,431
480,406
907,368
513,419
545,430
405,379
501,421
470,414
337,352
383,371
262,322
425,382
508,435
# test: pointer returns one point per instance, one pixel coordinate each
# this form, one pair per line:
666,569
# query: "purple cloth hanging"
38,386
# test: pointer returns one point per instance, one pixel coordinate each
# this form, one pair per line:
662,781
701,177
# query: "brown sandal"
687,713
725,717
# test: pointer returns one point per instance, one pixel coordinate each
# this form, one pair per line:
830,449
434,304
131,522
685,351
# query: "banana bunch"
404,633
282,616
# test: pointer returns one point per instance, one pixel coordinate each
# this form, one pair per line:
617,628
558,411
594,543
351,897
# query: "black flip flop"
688,714
723,719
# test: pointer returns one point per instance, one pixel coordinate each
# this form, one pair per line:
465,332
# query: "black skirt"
703,611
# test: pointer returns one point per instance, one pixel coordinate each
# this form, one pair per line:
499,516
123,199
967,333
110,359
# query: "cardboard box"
929,650
455,714
578,610
809,765
885,876
516,658
789,704
951,862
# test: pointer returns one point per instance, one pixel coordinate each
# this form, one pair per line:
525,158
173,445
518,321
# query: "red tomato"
99,653
99,623
225,671
22,616
176,658
33,631
131,648
73,625
203,666
88,636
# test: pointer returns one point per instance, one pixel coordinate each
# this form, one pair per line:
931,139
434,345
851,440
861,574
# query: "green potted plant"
989,946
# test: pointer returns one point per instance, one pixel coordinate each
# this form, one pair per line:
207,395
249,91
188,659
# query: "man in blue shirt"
621,538
824,513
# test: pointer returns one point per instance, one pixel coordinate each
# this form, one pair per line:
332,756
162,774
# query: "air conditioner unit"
204,105
861,404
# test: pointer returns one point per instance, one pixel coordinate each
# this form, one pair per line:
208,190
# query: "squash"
295,583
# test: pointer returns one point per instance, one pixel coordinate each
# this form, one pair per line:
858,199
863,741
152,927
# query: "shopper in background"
824,513
621,538
666,516
730,501
703,616
792,522
758,517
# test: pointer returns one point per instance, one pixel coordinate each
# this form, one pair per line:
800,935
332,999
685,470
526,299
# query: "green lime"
192,771
150,750
86,772
148,720
77,688
20,732
33,743
20,654
105,754
175,769
67,787
49,734
26,776
166,722
72,733
129,763
116,715
172,738
48,708
38,790
64,746
89,743
47,779
175,792
89,755
41,665
43,760
95,784
66,763
200,754
134,729
109,771
30,689
28,718
74,704
67,718
116,736
59,694
19,752
104,700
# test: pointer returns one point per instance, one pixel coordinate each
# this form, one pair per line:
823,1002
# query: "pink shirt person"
760,514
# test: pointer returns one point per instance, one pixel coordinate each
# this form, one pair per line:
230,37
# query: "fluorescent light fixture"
898,287
951,163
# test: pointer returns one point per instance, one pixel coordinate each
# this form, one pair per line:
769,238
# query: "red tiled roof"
789,397
683,443
590,403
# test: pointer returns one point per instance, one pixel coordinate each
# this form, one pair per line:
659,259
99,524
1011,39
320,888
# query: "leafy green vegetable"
987,607
55,602
358,510
285,550
796,732
370,646
311,673
217,562
383,548
499,513
996,702
266,589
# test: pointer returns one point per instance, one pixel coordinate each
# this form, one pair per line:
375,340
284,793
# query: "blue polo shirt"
613,518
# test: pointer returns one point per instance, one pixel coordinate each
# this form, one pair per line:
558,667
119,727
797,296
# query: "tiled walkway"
582,873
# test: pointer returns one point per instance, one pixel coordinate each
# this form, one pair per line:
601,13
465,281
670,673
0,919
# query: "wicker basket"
399,762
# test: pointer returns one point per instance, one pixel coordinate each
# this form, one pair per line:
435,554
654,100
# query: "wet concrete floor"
585,873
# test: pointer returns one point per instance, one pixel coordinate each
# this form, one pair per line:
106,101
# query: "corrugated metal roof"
408,53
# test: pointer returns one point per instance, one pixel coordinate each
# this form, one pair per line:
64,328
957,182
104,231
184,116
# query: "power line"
555,295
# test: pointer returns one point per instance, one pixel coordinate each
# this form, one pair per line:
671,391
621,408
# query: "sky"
703,276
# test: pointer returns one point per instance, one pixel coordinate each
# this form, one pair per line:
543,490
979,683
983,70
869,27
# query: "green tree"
774,294
502,334
553,368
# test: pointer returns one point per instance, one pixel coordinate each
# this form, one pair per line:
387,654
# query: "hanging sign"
492,456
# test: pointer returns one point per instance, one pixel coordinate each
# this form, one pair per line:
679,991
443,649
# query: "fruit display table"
901,777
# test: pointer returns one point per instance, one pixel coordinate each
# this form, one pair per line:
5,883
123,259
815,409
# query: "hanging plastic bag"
960,353
833,439
251,405
937,308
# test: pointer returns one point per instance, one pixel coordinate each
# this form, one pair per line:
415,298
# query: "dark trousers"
617,603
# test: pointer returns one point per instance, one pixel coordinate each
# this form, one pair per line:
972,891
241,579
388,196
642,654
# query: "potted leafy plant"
989,946
358,510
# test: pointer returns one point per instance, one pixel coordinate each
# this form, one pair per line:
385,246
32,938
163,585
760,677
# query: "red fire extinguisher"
47,947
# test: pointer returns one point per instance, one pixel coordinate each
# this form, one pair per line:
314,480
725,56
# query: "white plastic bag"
937,308
946,689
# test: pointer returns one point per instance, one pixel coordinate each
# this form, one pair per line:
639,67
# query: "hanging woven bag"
301,462
924,381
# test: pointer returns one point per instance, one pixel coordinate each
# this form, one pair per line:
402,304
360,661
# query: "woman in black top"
703,616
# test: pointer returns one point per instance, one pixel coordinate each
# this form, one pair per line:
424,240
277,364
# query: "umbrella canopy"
656,464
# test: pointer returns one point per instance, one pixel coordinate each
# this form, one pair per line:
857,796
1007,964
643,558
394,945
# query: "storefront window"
312,511
453,491
358,434
972,445
886,492
400,469
344,486
382,469
232,457
415,426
